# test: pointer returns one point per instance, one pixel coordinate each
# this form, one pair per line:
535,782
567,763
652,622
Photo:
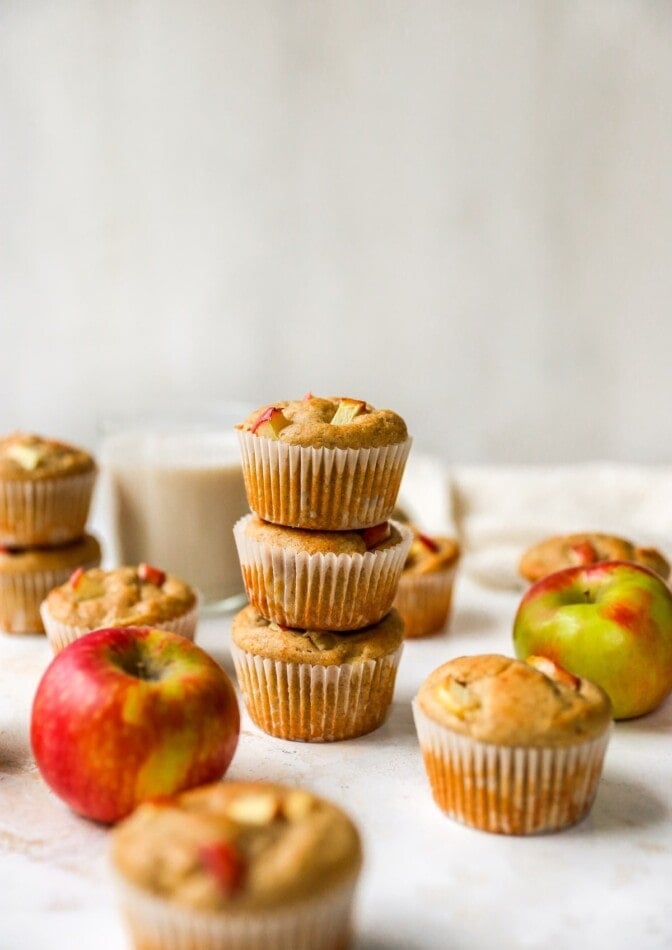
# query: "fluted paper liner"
322,922
509,790
320,591
312,703
61,634
22,594
424,601
49,511
322,489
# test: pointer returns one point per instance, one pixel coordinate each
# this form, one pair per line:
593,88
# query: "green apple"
610,622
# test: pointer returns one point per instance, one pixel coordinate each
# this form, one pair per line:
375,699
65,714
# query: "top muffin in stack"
45,494
325,473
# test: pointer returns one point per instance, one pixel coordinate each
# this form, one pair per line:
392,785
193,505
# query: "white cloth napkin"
497,512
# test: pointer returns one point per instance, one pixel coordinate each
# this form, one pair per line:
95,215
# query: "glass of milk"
172,489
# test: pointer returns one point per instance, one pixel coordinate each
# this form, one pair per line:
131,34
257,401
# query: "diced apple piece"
76,577
151,575
270,423
321,639
254,808
457,697
554,671
376,534
225,863
297,804
27,456
348,409
583,552
88,588
427,542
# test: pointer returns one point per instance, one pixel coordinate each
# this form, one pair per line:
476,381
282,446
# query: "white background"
460,209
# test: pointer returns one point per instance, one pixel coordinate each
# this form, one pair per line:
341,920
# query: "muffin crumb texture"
128,596
328,423
237,846
508,702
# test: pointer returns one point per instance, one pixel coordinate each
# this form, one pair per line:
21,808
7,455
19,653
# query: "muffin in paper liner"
512,747
509,790
244,865
320,591
316,686
45,512
22,590
323,922
312,703
329,489
424,601
61,634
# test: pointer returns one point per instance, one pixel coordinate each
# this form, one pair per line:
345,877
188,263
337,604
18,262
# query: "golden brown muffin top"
237,845
85,551
254,634
430,553
571,550
507,702
299,540
311,422
123,597
28,457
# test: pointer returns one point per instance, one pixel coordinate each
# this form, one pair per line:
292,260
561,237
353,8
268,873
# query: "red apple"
610,622
128,714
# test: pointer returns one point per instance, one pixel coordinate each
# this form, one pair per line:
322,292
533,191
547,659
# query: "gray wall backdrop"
459,209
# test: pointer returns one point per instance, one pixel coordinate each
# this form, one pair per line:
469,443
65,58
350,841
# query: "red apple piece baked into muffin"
238,864
330,464
122,597
322,580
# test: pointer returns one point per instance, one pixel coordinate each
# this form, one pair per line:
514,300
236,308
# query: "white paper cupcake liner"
424,601
311,703
48,511
61,634
323,922
22,594
322,489
509,790
320,591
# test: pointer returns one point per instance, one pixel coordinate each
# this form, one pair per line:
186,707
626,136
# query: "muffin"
142,596
322,580
425,592
571,550
316,686
511,748
28,574
45,490
241,865
326,464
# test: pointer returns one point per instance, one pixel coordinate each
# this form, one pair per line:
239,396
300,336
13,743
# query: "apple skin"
129,714
609,622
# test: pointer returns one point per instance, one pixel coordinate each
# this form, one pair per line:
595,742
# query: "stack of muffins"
317,649
45,496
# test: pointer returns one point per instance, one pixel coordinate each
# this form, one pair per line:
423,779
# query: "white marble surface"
428,884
